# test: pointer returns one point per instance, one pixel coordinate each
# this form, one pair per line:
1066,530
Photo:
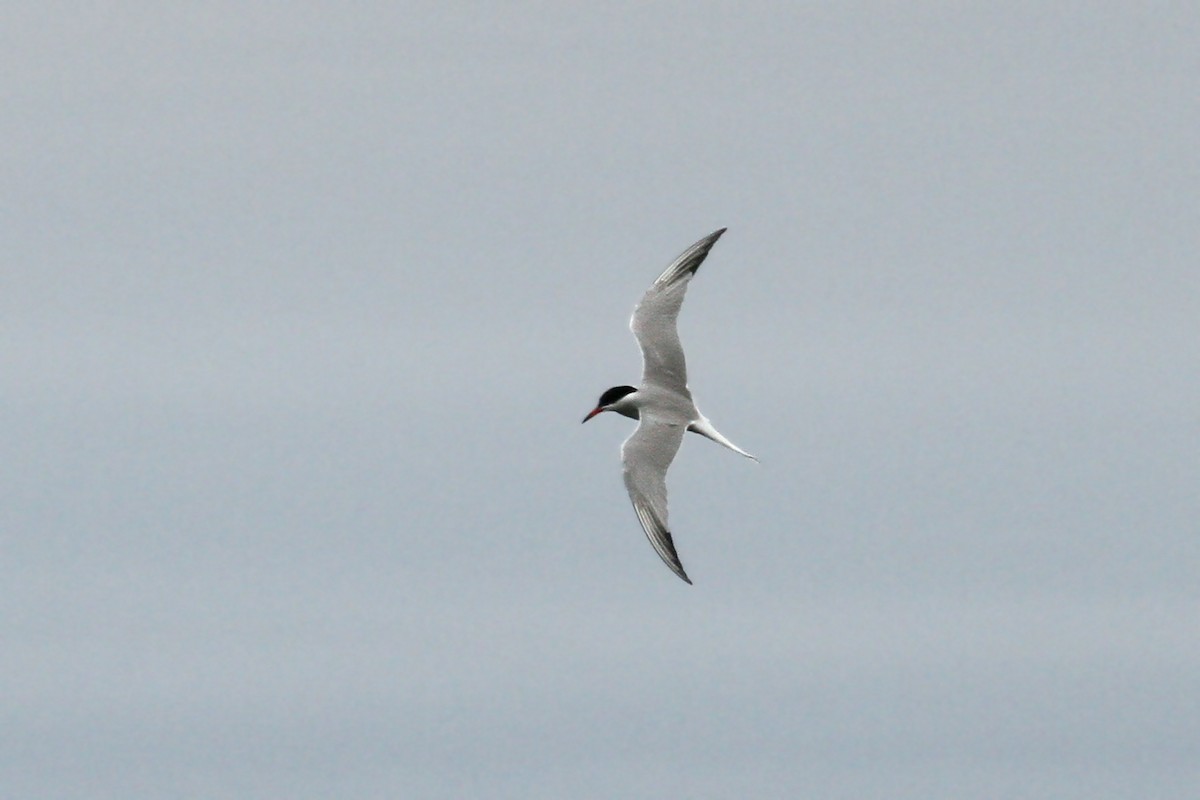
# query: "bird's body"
663,404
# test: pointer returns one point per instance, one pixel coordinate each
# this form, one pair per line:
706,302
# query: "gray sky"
302,306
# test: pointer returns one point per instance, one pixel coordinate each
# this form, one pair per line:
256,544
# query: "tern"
663,404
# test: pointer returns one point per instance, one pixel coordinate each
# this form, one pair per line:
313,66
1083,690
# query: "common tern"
663,404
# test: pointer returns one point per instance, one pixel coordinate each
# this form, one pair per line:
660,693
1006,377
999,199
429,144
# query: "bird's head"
612,399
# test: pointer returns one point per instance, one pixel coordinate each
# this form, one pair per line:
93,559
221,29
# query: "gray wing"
646,455
654,318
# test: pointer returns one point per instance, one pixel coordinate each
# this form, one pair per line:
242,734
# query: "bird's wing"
646,455
653,321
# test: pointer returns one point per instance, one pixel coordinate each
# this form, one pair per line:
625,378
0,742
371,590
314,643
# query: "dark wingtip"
674,563
687,262
711,239
706,244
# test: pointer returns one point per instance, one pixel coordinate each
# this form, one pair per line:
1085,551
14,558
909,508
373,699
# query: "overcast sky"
301,306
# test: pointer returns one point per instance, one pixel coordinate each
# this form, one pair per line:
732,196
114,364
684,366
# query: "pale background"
302,304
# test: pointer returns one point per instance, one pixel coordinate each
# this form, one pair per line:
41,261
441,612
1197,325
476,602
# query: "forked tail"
705,428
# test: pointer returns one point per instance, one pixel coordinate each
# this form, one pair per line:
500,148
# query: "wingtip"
710,241
674,563
677,568
689,260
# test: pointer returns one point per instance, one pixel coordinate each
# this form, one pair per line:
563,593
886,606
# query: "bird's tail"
705,428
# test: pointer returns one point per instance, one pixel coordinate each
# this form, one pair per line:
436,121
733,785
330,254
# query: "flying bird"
663,404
